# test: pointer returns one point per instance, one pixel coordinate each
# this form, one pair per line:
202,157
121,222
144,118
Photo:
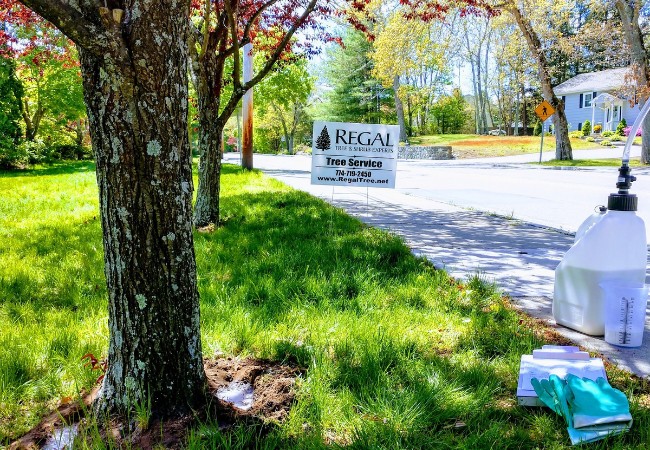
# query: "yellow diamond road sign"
544,110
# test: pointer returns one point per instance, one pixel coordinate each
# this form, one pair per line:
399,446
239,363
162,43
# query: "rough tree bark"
208,69
563,149
630,17
135,88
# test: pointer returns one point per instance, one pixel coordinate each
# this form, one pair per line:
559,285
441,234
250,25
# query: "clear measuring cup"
625,310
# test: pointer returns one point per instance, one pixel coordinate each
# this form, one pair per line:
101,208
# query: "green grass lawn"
475,146
615,162
397,354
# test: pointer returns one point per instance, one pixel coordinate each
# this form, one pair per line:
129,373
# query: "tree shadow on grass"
62,168
58,266
283,248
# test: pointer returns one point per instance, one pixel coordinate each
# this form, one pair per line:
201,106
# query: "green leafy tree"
53,97
10,103
411,57
283,95
538,129
450,112
355,96
586,128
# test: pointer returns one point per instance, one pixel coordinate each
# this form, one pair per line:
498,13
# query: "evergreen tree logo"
323,141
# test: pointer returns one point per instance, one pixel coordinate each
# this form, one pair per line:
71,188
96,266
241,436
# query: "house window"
617,113
580,126
587,100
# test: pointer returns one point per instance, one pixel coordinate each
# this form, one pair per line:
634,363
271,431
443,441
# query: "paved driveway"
505,219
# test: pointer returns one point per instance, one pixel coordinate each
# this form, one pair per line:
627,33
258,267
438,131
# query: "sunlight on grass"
613,162
396,354
476,146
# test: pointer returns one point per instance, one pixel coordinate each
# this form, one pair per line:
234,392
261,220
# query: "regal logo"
323,142
365,138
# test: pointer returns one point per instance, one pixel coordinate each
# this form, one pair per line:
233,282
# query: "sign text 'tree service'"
354,154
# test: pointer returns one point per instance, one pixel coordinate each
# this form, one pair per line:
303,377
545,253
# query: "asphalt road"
503,218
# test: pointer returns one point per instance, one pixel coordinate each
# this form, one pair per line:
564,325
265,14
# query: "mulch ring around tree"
249,390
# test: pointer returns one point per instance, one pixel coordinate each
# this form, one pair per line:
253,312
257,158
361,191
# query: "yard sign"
354,154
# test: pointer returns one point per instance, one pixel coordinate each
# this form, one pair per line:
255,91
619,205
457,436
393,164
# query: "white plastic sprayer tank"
610,246
613,248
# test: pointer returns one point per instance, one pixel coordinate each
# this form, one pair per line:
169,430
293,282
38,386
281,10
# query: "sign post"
354,154
544,110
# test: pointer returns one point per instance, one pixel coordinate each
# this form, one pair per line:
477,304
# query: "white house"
596,97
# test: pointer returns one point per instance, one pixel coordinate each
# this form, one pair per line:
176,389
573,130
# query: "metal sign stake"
541,146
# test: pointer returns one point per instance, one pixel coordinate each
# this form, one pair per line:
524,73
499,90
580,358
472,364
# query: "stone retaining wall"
416,152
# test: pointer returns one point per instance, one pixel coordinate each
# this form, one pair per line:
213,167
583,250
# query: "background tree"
219,30
411,56
538,12
134,75
354,94
587,38
10,111
53,92
630,12
450,112
514,76
283,94
477,39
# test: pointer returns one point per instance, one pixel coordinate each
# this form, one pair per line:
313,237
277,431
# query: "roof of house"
605,80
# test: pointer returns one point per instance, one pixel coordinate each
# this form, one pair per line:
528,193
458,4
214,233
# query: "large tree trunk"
209,73
399,108
630,19
135,88
563,149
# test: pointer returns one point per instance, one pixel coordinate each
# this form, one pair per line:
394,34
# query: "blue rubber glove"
592,410
596,402
553,393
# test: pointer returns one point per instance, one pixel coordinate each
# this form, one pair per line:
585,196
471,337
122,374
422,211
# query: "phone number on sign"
354,173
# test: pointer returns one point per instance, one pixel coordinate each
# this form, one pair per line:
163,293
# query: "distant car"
497,132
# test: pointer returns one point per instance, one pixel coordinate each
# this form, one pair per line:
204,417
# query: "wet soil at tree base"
274,394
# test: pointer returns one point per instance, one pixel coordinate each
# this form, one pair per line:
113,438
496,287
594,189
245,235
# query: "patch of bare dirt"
273,385
273,396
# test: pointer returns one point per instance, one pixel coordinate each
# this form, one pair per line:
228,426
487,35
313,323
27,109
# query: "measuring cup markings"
625,320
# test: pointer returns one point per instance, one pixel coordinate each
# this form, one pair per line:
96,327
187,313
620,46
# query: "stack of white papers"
558,360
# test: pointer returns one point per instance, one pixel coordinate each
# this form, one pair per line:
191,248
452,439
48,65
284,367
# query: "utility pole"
247,132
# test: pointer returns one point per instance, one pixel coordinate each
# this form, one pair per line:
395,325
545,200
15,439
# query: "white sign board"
354,154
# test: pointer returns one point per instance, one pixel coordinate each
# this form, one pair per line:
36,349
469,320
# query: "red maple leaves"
96,364
25,34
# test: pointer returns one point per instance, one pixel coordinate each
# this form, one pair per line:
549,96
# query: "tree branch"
280,48
232,23
72,22
252,20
